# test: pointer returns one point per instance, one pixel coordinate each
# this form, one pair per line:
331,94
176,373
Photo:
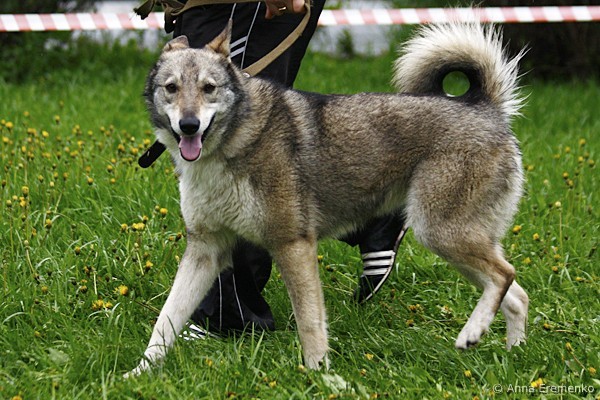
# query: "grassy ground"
90,244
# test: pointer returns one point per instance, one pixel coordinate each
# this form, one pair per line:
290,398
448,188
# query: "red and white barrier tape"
107,21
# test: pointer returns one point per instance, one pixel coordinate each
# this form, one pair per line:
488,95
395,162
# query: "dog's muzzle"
191,140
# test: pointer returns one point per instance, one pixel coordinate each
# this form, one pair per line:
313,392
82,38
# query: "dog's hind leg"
297,262
514,307
494,275
481,261
197,271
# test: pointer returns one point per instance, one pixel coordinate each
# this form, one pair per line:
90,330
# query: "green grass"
75,238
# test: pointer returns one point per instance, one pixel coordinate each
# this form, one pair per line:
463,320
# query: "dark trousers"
235,301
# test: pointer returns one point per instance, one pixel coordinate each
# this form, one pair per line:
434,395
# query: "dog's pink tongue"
190,147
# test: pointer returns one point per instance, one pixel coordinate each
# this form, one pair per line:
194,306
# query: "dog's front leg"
197,271
297,262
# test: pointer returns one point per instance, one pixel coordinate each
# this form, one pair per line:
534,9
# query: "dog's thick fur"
283,168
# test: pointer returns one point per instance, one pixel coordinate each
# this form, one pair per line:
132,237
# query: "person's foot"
377,266
194,332
376,269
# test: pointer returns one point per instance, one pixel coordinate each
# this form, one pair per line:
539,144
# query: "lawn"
90,244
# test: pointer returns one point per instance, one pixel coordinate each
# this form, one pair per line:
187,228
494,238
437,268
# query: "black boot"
378,243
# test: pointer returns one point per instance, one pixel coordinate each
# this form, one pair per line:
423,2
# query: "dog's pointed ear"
220,44
179,43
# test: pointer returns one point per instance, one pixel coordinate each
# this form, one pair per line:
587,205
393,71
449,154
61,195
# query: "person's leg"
235,301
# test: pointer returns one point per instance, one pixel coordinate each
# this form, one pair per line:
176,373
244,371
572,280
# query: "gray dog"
283,168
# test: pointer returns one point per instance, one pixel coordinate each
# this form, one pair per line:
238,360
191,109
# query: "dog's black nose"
189,125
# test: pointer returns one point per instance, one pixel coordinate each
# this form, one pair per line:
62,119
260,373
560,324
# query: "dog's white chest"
212,198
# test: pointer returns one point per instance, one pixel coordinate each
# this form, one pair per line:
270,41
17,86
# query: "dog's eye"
171,88
209,88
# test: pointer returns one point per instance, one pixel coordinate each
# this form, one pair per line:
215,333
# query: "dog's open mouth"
190,147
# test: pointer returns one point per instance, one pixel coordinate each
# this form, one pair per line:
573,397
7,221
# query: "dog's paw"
469,337
318,362
515,340
137,371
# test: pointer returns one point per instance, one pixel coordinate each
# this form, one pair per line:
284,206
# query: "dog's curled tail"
471,48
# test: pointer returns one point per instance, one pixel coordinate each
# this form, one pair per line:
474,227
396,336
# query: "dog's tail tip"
472,48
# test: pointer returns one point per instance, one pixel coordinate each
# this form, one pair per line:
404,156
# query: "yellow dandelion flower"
163,211
582,142
369,356
9,125
557,204
527,261
415,308
57,119
272,384
25,191
555,269
90,181
138,226
547,326
48,224
592,370
569,347
123,290
516,229
98,304
568,149
538,383
468,374
77,250
536,237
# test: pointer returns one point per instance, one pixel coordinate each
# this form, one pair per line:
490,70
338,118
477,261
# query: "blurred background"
556,50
